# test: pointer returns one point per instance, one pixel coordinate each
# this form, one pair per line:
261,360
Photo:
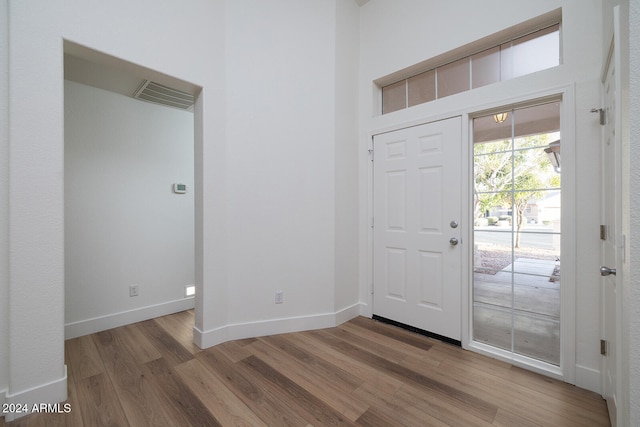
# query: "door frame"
614,58
566,92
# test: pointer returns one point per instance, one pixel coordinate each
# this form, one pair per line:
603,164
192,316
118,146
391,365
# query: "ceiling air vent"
164,95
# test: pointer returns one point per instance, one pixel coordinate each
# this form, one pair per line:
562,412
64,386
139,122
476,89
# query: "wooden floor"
360,373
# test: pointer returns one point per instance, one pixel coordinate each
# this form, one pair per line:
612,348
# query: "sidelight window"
517,231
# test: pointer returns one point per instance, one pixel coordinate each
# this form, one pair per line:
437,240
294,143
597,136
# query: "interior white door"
417,211
613,242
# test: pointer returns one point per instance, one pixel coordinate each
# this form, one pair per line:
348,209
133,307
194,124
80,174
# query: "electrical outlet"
133,290
189,290
279,297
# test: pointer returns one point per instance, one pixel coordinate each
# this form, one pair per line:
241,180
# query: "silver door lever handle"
605,271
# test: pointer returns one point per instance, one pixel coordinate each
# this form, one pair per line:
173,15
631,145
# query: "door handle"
605,271
453,241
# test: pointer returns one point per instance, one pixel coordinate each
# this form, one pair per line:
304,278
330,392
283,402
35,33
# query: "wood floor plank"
96,395
185,406
83,358
73,418
466,401
376,418
421,351
587,400
485,411
271,410
413,339
138,396
170,349
310,362
519,400
510,388
436,407
320,413
219,400
180,327
445,351
507,419
455,409
330,389
520,377
413,343
494,380
138,344
479,384
245,341
367,342
234,351
390,407
323,346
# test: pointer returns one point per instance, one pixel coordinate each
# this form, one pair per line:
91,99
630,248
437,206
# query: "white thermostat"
179,188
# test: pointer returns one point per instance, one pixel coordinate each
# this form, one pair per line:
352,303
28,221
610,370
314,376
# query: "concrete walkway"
535,317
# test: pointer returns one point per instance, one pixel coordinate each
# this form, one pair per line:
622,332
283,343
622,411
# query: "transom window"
519,56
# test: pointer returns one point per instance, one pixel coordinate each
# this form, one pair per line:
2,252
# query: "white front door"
417,209
613,240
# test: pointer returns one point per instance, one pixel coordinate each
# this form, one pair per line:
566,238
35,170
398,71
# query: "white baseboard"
347,313
206,339
365,310
102,323
588,378
49,393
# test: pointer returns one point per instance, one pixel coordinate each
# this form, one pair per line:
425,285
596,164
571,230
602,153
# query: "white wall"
35,212
4,203
346,156
287,215
280,159
398,34
123,223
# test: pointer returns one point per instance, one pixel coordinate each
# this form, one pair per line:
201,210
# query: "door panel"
613,243
416,185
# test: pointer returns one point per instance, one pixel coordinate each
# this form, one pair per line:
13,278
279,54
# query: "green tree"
512,174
